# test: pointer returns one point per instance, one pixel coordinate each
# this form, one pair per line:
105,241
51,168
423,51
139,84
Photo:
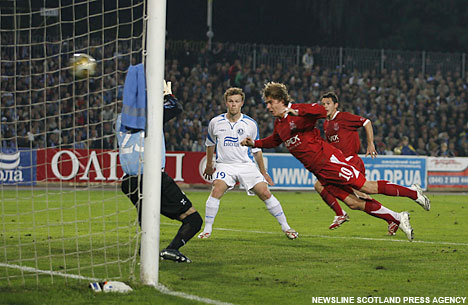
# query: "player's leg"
191,224
341,216
361,194
218,189
357,162
132,187
392,227
390,189
224,179
175,205
340,172
373,208
376,209
274,207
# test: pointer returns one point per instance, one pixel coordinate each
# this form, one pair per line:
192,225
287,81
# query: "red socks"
332,202
390,189
376,209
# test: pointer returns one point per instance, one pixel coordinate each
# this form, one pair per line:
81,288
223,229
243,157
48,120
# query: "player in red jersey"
341,131
295,127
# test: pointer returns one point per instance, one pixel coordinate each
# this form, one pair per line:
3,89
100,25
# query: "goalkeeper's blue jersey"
131,150
132,144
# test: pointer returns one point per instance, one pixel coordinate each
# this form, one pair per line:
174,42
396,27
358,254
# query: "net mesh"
62,210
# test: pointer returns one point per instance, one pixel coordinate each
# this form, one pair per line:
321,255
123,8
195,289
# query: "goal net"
63,214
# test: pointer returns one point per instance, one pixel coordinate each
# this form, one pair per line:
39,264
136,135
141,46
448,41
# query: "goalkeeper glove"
167,88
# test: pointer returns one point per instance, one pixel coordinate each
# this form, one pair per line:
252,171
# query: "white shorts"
247,174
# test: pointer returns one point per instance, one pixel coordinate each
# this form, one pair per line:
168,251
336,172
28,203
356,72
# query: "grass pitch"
248,260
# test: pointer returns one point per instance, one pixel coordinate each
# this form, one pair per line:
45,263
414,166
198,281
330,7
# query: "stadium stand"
421,107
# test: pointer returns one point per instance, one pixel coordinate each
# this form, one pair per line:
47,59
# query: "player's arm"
315,110
370,139
268,142
172,107
261,166
209,169
210,144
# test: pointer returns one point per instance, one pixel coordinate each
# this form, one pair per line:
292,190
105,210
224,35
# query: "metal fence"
342,59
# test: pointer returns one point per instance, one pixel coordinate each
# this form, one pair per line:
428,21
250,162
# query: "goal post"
62,213
156,32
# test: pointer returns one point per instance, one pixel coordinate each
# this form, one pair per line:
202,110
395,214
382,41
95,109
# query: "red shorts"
339,177
357,162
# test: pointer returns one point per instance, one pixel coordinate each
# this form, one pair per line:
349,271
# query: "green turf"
248,260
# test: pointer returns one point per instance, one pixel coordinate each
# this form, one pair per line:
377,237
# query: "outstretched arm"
172,107
315,110
268,142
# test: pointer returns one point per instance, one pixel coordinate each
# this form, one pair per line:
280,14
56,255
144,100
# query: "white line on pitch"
34,270
338,237
161,288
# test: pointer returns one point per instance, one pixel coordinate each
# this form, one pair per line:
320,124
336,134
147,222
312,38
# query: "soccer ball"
83,65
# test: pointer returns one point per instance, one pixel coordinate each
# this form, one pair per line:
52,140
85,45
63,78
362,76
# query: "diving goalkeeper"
174,203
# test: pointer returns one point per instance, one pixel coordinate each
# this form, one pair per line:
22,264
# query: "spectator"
94,140
187,57
219,54
463,148
308,59
405,148
53,139
452,148
421,148
233,70
443,151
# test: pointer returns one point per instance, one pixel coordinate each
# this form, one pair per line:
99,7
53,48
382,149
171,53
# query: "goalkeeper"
174,203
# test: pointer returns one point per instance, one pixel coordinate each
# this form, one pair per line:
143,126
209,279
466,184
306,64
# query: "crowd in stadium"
412,113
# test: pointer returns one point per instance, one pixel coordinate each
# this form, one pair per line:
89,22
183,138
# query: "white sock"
211,209
275,209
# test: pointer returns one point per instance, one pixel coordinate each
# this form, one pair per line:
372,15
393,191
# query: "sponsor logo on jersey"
292,125
334,138
292,142
240,131
231,141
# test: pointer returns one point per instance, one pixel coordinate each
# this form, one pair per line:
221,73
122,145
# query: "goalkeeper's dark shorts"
173,200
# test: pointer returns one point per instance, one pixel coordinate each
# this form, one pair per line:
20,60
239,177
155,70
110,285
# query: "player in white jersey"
234,163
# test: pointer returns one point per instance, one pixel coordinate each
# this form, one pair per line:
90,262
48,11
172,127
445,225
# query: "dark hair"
332,95
277,91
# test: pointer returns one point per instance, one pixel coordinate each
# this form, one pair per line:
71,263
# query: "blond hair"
234,91
277,91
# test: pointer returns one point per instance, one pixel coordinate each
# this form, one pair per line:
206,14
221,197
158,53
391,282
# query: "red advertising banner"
186,167
99,165
78,165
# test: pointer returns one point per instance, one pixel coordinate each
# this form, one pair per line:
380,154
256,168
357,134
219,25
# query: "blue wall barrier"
288,173
402,170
